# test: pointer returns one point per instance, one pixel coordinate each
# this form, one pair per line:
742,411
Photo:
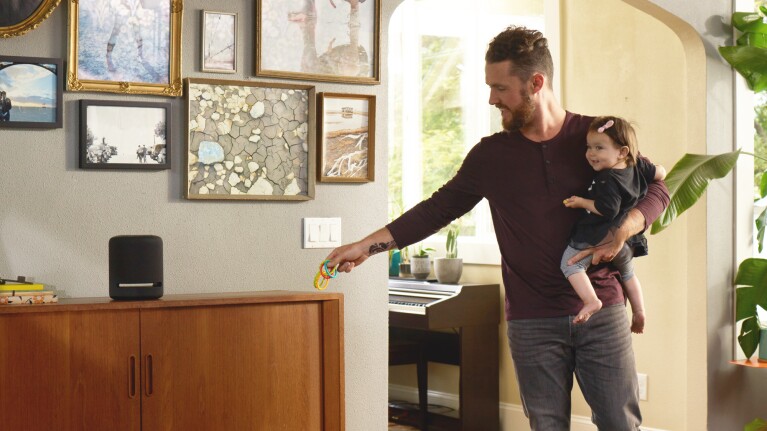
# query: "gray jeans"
546,353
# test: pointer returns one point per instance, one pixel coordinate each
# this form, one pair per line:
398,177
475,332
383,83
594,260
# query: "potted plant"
448,269
420,266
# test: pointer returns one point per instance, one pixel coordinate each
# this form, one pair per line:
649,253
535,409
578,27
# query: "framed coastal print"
219,42
124,135
20,16
30,92
347,138
336,40
125,46
249,140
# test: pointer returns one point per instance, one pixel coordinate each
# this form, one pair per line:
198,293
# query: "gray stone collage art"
247,140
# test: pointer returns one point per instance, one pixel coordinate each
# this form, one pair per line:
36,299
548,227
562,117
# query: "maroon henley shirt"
525,183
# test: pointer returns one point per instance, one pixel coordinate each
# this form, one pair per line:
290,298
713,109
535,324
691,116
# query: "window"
438,101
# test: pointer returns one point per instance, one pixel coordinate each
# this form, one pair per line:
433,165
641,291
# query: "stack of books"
19,291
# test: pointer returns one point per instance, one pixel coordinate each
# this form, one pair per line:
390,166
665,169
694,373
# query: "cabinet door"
233,367
70,371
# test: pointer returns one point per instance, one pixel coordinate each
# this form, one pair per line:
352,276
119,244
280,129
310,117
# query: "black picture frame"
35,95
112,134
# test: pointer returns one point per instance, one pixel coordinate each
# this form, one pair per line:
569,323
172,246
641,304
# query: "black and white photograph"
124,135
219,42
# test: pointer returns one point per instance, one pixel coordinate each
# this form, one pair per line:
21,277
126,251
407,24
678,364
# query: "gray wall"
56,220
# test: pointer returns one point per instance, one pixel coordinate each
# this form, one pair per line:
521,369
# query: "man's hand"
351,255
632,225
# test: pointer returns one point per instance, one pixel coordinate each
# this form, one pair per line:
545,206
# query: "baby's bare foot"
588,309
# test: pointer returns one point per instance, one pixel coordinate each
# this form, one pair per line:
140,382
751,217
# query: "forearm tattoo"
381,246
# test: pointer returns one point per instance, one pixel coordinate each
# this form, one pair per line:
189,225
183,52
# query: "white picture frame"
218,53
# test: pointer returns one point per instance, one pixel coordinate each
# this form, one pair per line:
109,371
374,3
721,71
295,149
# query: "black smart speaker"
135,267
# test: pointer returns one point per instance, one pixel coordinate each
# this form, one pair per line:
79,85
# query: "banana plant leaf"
756,425
750,62
688,180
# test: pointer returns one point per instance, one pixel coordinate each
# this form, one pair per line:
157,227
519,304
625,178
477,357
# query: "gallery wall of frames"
253,139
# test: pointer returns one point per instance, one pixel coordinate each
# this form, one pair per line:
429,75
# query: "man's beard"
521,115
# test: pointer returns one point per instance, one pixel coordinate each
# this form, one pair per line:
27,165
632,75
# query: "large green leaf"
750,62
756,425
688,180
758,40
748,22
761,224
749,336
752,277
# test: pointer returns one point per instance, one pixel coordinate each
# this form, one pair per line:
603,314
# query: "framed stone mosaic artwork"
346,138
250,140
124,135
18,17
335,41
125,46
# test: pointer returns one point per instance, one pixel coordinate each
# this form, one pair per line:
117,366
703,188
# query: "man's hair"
527,49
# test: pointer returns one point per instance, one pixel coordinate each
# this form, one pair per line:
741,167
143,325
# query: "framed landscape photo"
124,135
336,40
30,92
20,16
125,46
347,138
249,140
219,42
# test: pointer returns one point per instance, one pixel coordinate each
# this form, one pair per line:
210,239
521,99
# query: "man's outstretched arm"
350,255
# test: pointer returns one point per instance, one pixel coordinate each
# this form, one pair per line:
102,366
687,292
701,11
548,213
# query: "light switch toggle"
322,232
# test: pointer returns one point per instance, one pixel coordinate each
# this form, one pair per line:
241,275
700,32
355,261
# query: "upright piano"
457,325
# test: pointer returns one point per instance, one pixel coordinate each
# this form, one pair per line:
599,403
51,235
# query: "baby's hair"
621,132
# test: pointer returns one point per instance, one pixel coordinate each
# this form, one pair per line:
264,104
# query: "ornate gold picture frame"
134,48
19,18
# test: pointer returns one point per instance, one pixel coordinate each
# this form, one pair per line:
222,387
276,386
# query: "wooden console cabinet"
245,361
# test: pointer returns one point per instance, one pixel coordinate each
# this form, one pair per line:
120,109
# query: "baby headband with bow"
606,126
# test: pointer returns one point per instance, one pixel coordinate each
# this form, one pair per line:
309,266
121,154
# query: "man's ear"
538,82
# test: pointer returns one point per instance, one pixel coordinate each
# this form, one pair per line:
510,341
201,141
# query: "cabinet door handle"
149,382
132,377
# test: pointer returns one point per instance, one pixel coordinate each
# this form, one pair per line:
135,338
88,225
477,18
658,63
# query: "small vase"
404,270
394,263
448,270
420,267
763,345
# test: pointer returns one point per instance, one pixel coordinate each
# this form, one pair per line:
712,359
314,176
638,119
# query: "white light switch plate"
322,232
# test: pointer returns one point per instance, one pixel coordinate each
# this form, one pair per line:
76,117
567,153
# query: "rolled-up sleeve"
654,202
